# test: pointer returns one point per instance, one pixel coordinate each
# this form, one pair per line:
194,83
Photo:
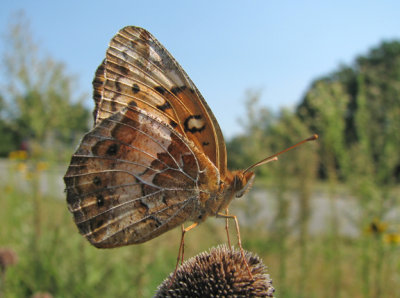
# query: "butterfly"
156,156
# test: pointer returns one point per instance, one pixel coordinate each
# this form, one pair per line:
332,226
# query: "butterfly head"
235,185
242,183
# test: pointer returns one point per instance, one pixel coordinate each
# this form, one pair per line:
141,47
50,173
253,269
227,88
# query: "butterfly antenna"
275,156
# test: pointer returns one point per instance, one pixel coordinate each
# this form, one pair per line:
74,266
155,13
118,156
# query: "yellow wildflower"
22,167
18,155
392,238
377,227
42,166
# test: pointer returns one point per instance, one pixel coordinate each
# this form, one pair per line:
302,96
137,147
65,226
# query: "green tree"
379,100
324,109
40,104
367,99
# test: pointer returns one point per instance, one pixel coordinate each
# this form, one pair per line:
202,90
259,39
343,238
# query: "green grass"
54,258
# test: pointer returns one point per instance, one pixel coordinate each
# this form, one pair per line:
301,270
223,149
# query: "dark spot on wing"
97,181
132,103
135,88
112,149
164,107
206,143
122,69
177,90
100,200
160,89
173,123
118,86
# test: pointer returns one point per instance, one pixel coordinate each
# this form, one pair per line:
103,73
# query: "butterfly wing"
134,177
98,83
139,71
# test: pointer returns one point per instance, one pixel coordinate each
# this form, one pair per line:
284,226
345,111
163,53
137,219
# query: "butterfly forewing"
139,71
98,83
134,177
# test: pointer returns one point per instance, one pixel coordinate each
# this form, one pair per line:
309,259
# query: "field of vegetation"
49,256
354,168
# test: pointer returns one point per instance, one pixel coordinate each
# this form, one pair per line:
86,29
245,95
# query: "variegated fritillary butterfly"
156,157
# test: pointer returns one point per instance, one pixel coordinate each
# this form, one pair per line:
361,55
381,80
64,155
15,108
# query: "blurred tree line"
355,110
40,110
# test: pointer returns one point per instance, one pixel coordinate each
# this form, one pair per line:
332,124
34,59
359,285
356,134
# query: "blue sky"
226,47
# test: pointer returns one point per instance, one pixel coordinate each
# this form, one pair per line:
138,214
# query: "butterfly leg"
227,228
182,247
228,216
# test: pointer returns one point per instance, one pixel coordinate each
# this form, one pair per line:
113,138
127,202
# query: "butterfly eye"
247,185
201,217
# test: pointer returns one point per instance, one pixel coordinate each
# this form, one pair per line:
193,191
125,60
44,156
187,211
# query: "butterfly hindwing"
139,71
134,177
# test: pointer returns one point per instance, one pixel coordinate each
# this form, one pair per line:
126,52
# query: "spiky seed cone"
219,273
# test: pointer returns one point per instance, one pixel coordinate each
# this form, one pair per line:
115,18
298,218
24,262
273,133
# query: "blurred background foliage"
40,110
324,217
